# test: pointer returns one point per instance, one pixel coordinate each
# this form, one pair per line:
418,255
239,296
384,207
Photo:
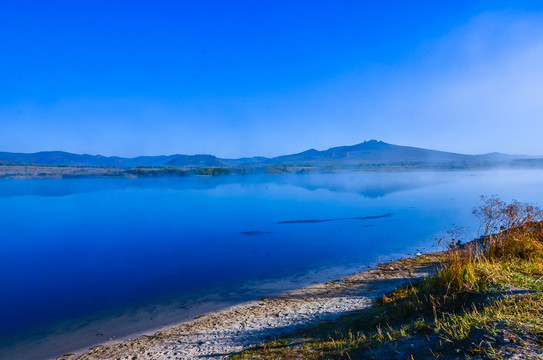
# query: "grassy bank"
485,301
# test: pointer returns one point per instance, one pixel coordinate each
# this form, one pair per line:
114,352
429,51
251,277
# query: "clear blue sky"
248,78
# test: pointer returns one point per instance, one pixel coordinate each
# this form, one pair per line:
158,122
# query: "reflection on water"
372,185
77,247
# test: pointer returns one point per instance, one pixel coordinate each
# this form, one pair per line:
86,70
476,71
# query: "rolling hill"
368,153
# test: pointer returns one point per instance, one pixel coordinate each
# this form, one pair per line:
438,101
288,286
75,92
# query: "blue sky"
269,78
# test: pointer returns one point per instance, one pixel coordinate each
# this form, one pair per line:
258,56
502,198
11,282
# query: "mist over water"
95,249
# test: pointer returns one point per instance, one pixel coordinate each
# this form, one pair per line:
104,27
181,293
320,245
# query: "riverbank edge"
221,333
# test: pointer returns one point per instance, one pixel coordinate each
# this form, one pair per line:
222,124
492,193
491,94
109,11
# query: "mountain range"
368,153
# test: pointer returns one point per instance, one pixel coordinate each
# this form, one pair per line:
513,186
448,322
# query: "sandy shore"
219,334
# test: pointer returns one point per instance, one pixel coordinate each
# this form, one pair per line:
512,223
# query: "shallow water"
79,251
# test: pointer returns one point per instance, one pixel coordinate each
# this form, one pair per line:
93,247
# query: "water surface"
106,257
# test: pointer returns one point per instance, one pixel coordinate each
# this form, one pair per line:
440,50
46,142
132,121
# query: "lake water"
84,260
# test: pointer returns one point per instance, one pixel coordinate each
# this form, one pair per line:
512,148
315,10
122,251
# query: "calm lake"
86,260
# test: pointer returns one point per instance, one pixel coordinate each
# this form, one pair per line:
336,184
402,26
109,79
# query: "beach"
219,334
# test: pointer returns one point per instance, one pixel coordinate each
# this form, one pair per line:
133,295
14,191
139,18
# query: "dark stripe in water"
313,221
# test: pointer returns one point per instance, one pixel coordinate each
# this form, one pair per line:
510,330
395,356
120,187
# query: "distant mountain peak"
368,153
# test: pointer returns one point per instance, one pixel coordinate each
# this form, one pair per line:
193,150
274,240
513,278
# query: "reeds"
510,232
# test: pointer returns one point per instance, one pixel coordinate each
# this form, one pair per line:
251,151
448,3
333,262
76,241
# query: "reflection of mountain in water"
65,187
371,185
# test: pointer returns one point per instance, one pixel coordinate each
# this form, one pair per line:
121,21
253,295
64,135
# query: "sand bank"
219,334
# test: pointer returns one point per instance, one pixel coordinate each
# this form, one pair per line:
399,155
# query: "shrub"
510,230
